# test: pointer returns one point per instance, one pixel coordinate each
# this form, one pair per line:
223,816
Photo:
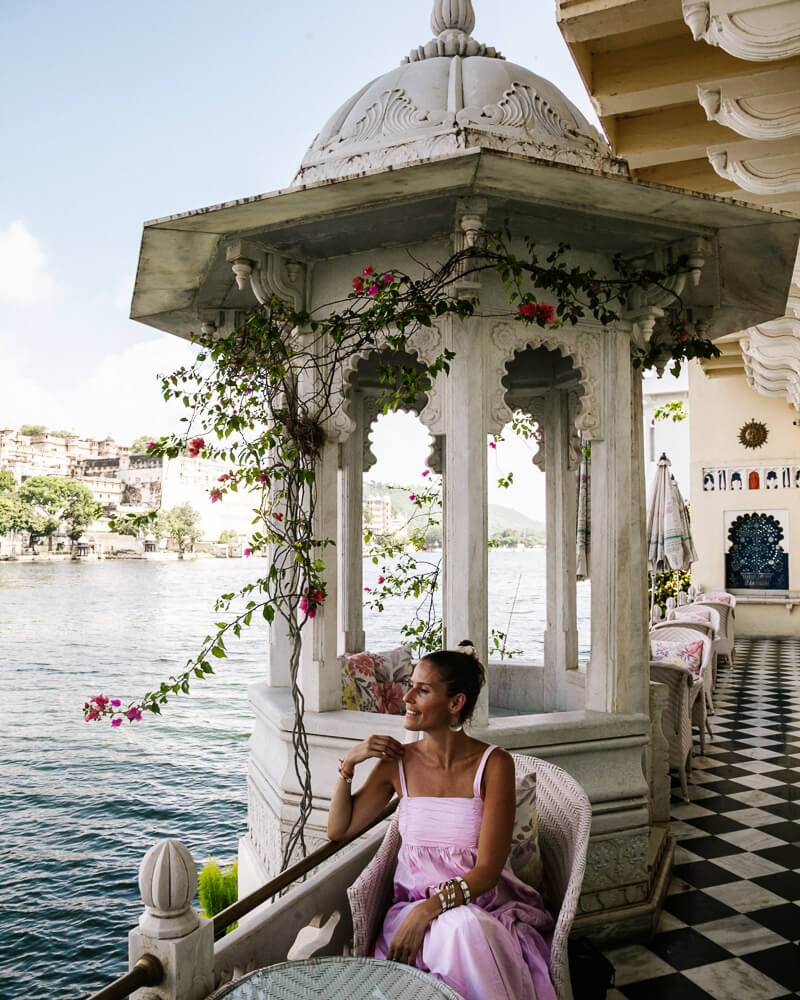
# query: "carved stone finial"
452,22
452,15
168,882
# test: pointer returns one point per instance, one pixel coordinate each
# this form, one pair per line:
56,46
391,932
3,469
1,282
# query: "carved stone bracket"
267,274
645,306
760,116
773,168
582,346
746,29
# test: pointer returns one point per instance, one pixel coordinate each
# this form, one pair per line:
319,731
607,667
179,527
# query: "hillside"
500,518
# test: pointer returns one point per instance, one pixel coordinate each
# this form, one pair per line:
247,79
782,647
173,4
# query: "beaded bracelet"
343,774
464,890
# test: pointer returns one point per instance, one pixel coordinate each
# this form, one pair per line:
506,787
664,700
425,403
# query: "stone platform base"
636,922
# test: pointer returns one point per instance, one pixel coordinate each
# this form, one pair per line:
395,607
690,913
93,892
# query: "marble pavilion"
419,162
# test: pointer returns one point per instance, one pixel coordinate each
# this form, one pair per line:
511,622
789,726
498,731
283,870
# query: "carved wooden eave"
755,30
761,168
771,357
185,276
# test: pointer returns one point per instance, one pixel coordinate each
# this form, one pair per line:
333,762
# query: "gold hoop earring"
457,728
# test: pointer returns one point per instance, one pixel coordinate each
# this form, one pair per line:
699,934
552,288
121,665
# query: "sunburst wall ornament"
753,434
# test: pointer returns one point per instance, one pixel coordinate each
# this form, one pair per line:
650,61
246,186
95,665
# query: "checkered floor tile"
731,922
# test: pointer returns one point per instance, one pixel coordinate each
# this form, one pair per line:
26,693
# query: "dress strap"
403,787
476,786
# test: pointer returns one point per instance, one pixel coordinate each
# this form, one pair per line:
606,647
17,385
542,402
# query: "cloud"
120,396
23,266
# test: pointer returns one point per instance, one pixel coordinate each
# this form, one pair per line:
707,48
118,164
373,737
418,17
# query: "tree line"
42,504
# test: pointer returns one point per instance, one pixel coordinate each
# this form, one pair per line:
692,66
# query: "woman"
458,910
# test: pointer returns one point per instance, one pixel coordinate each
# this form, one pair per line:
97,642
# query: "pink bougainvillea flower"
151,445
215,495
117,721
278,516
527,309
545,313
358,285
368,270
412,496
116,702
134,714
426,472
388,278
380,579
492,444
366,590
373,290
195,445
248,552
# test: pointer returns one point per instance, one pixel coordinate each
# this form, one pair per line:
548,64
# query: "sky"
123,113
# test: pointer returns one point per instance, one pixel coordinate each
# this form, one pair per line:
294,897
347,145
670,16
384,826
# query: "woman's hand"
407,941
381,747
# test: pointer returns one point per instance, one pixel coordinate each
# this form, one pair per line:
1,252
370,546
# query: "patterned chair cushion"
524,857
376,682
683,654
694,615
715,597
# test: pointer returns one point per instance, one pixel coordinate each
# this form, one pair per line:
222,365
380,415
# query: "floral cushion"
524,856
695,615
716,597
683,654
376,682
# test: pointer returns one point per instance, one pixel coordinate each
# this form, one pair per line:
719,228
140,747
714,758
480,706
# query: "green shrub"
668,585
218,888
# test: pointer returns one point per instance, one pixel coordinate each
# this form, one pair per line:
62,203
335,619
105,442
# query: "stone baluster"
170,929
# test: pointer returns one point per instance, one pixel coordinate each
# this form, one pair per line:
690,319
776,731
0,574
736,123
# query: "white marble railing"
745,478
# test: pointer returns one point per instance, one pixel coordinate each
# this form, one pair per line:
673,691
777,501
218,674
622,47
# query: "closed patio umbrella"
584,533
669,539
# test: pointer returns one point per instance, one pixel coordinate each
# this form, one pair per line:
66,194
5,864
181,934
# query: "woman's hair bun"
466,647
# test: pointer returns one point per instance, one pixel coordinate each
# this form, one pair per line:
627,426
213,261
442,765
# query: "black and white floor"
731,922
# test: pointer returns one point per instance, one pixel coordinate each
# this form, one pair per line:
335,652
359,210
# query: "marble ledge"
544,730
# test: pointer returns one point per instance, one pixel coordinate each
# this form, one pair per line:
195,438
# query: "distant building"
381,516
123,482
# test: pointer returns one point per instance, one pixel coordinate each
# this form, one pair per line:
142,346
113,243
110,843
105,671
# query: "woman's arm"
349,814
497,828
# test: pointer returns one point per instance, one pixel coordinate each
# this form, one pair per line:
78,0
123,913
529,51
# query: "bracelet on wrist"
344,775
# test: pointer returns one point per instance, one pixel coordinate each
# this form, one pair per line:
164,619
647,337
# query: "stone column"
351,563
608,675
320,672
561,634
169,929
640,610
465,505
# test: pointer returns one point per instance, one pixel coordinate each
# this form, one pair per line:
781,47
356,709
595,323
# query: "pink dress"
491,949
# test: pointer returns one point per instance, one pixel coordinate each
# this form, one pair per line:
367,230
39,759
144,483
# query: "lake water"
81,803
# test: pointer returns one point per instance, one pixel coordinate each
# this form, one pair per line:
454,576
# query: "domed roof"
450,95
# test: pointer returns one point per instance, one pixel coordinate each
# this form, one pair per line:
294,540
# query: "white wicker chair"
565,818
726,645
676,720
672,632
712,629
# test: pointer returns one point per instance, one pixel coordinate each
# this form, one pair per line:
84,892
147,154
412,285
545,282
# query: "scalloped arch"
425,345
584,350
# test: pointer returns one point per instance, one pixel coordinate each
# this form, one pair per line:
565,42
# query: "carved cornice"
760,173
771,355
747,30
267,274
763,116
646,306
